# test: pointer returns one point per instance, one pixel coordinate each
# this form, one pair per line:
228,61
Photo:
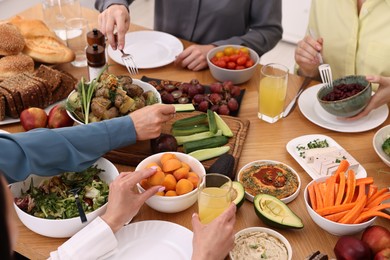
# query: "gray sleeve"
265,27
102,5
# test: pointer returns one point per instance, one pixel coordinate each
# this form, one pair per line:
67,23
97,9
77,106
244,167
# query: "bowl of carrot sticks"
343,205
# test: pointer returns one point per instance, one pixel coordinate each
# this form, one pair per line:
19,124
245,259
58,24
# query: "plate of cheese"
320,155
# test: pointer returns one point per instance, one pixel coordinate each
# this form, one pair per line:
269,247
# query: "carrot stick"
329,192
336,216
377,194
354,213
370,214
343,167
312,196
335,209
372,189
317,190
366,181
340,192
378,200
361,191
351,183
378,208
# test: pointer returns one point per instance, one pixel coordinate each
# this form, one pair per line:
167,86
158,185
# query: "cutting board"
133,154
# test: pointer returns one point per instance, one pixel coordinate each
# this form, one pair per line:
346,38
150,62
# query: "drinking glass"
272,92
214,196
76,39
56,12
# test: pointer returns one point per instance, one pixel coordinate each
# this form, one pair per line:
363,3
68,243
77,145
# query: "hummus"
274,179
258,245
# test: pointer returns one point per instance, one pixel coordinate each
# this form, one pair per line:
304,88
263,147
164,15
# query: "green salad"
54,199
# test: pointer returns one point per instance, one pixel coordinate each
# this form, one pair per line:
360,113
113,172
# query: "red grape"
168,98
215,98
192,91
223,110
216,87
233,104
198,98
203,106
235,91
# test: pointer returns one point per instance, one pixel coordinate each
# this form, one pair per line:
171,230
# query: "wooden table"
264,141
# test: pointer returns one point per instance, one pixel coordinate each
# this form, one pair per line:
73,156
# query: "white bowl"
286,200
271,233
334,228
176,203
379,138
236,76
144,85
60,228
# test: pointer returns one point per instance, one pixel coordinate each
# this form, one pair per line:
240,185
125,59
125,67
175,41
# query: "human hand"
115,16
381,96
306,56
148,121
216,239
123,202
194,57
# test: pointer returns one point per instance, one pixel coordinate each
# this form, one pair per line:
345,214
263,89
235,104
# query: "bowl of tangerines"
179,173
232,62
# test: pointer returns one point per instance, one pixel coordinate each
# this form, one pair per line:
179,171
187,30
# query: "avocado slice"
274,212
238,193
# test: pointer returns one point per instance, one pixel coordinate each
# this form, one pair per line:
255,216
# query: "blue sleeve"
48,152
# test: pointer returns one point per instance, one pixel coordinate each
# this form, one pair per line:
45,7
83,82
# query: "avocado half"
238,193
274,212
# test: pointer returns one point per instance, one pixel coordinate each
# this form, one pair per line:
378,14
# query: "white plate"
303,140
313,111
150,49
153,239
9,120
3,132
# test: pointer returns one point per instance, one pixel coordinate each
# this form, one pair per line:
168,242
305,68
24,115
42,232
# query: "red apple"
58,117
384,254
351,248
33,117
377,238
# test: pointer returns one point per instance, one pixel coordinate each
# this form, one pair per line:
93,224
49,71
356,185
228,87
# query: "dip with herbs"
269,178
258,245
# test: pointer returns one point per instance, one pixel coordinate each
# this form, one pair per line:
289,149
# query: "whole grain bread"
2,107
52,76
10,107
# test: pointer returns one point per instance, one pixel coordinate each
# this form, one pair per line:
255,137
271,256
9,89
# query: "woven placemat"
132,155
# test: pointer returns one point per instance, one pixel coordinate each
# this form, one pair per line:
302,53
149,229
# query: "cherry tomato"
219,54
225,59
244,50
242,60
214,59
233,57
249,63
240,67
228,51
231,65
221,63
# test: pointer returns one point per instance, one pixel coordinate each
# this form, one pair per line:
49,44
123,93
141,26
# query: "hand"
115,16
381,96
194,57
123,202
306,56
215,240
148,121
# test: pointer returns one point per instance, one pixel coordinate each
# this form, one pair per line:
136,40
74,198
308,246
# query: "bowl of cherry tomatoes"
232,62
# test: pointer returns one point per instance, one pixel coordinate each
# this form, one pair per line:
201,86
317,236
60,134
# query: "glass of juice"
272,92
214,196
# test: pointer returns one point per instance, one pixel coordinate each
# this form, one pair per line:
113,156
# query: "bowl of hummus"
269,177
260,243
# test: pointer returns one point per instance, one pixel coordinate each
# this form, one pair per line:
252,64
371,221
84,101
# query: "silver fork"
129,62
326,74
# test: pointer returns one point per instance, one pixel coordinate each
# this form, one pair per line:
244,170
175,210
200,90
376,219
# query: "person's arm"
265,28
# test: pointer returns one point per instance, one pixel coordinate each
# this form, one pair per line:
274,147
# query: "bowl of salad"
47,206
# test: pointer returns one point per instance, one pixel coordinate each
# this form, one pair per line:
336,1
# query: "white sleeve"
93,241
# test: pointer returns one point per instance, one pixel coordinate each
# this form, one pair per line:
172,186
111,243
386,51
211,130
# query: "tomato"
249,63
231,65
244,50
234,57
219,54
240,67
221,64
228,51
225,59
214,59
242,60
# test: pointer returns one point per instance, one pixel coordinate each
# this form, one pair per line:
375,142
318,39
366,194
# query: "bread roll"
15,64
11,40
31,27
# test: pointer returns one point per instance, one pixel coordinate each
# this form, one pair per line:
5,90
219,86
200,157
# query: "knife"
290,107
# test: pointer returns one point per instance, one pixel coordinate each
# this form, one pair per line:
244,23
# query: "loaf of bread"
15,64
11,40
41,43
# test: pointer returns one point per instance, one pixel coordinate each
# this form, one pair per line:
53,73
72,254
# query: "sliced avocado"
238,193
274,212
226,131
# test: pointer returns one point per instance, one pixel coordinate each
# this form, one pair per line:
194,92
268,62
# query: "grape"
183,100
198,98
215,98
216,87
167,98
223,110
169,87
232,104
192,91
176,94
184,87
200,88
194,82
227,85
203,106
214,108
235,91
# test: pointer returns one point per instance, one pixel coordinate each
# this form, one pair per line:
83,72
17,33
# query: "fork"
80,209
326,74
128,60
